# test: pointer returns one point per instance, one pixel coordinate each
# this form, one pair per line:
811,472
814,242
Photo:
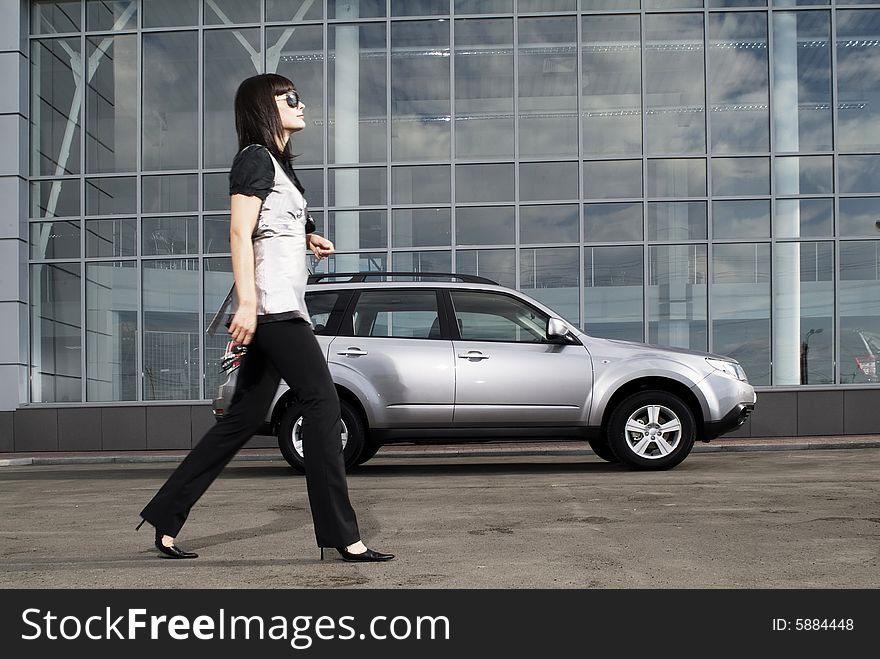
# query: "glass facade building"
702,174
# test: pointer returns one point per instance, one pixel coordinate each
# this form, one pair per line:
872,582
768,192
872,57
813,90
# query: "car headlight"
733,369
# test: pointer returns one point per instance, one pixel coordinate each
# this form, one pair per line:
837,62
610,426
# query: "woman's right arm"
245,210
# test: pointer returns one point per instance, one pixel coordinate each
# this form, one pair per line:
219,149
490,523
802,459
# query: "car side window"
320,305
494,317
410,314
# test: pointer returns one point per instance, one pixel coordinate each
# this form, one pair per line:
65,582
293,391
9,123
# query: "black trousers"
282,349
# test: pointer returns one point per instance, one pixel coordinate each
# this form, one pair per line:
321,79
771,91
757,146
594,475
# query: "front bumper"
731,421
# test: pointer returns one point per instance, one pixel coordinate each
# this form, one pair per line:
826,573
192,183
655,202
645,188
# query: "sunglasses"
293,98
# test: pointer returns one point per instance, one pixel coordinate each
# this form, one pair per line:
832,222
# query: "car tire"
370,449
600,448
636,431
291,445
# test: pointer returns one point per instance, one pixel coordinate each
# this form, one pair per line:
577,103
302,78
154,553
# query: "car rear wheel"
652,430
370,449
290,436
600,447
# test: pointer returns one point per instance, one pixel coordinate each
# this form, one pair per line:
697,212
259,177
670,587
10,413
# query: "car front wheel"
601,449
290,436
652,430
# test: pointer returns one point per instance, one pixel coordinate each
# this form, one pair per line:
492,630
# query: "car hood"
650,347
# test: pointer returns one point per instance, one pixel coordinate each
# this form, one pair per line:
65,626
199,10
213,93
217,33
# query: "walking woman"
269,233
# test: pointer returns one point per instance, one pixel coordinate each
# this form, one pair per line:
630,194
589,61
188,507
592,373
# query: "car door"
389,349
507,373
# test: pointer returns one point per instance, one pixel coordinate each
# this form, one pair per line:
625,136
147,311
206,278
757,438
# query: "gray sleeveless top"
280,267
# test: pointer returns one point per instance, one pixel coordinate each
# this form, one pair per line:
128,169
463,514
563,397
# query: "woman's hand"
244,323
320,246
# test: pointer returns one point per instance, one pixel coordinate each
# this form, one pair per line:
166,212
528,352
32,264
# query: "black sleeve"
252,173
310,224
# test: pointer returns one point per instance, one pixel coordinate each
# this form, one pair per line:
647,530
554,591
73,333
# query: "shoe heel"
138,527
322,553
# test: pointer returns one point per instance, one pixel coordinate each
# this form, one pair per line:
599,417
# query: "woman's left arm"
320,246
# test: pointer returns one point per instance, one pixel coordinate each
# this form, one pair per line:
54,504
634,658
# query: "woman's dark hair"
257,120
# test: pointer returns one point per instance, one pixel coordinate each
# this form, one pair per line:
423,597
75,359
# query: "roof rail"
354,277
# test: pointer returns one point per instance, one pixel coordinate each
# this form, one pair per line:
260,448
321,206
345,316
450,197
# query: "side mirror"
556,329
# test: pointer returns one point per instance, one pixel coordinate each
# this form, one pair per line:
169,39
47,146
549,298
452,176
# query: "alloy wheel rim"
297,436
653,431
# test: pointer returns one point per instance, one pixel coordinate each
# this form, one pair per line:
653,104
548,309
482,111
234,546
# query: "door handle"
352,352
473,354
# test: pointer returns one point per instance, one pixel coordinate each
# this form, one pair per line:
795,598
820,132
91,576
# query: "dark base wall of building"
166,427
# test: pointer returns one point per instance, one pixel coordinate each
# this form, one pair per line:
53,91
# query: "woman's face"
292,118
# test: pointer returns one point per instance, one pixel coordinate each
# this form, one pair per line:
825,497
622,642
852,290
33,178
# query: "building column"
13,201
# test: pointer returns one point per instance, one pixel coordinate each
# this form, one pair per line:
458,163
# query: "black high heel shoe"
368,556
170,552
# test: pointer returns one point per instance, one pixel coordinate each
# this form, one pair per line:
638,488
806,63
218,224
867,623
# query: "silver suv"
423,357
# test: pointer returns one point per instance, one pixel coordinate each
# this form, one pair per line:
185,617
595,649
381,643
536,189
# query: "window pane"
677,296
357,86
672,4
741,307
216,191
111,14
111,331
427,184
420,90
802,80
588,5
548,224
421,227
170,194
740,176
419,7
476,183
548,86
55,106
170,235
858,79
860,216
54,240
111,238
741,217
604,223
225,12
611,85
613,290
298,54
677,178
170,107
737,3
313,182
363,262
294,11
353,230
171,329
399,314
551,276
539,181
216,238
347,10
806,175
484,88
422,261
357,187
56,371
495,264
486,225
682,220
859,174
739,83
801,3
674,69
111,196
170,13
230,56
804,218
52,16
859,313
111,104
803,313
218,280
613,179
546,5
55,198
496,317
